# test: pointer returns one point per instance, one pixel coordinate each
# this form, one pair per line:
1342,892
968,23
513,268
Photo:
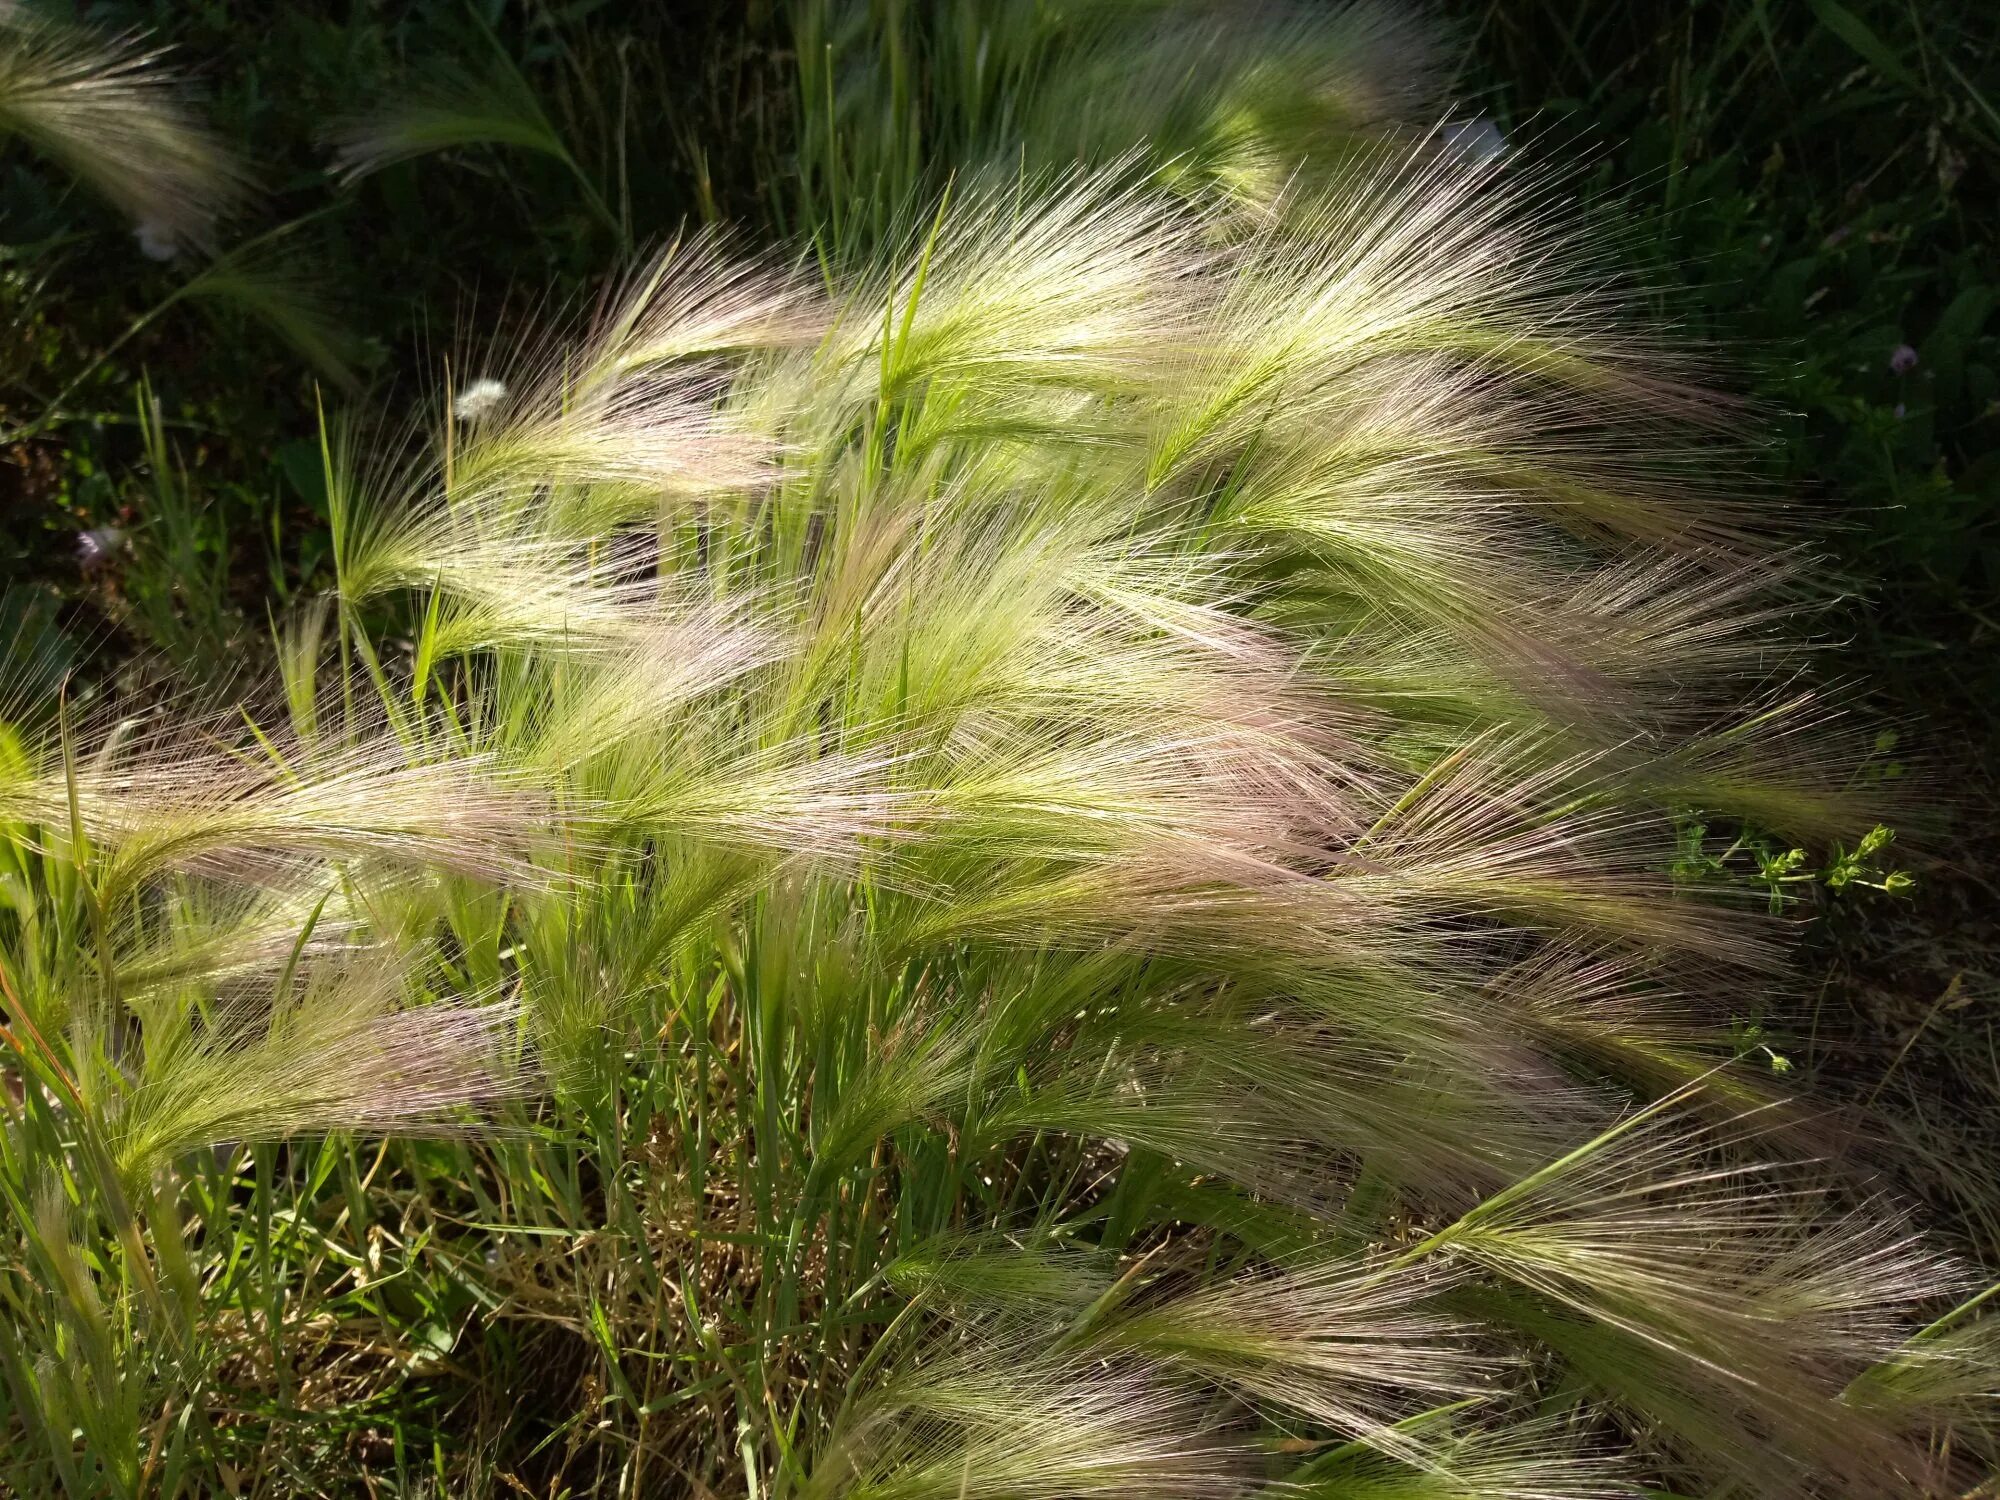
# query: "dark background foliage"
1816,186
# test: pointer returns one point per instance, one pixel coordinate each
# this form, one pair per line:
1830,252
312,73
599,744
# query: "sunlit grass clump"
1039,872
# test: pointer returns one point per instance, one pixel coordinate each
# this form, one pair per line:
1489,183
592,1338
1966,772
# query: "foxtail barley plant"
107,109
110,110
1040,869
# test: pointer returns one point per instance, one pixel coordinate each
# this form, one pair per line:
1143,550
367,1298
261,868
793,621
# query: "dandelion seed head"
479,399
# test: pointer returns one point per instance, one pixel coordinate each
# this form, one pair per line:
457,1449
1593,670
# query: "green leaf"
1869,47
1952,336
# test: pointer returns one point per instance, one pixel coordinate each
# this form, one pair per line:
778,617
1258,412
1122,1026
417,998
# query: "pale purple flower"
96,547
1903,359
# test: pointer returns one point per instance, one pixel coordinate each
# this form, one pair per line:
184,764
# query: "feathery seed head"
108,110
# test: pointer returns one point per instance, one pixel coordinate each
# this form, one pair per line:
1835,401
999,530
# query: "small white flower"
157,241
1478,140
478,399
